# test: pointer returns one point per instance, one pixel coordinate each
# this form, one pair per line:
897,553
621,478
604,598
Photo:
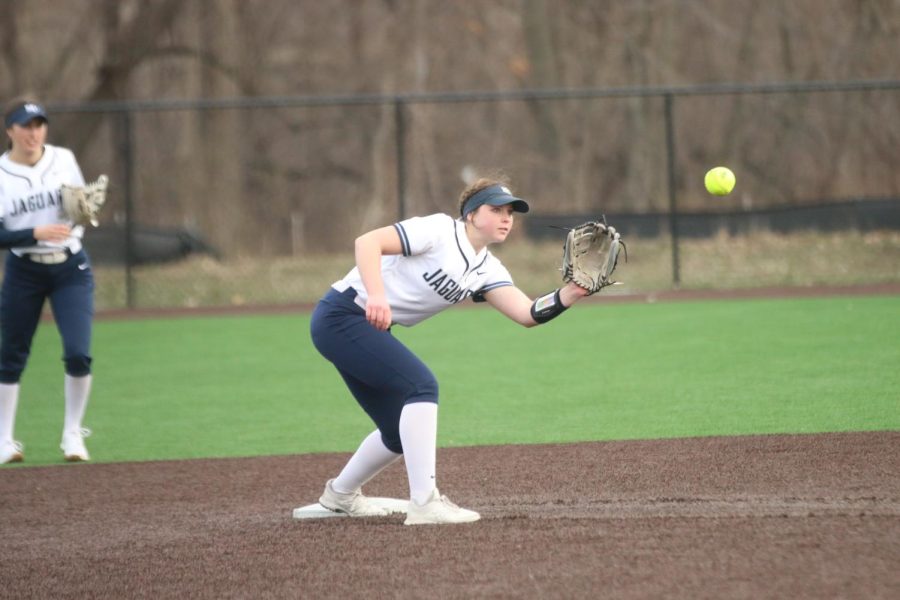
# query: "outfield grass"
254,385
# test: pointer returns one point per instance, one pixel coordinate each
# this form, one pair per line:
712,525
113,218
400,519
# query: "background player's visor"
25,113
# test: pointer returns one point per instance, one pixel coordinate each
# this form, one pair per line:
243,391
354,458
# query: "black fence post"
400,120
128,192
673,208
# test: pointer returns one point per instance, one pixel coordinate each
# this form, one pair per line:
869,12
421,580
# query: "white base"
317,511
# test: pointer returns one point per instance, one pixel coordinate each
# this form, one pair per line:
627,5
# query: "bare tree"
277,180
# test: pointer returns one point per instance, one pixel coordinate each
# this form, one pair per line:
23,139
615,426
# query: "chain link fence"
256,201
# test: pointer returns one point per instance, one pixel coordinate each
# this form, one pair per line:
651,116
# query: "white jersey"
30,196
438,268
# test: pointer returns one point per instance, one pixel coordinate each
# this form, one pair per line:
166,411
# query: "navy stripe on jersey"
495,285
404,239
479,295
479,265
17,175
458,245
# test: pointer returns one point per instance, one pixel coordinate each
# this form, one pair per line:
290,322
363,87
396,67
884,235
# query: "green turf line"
244,386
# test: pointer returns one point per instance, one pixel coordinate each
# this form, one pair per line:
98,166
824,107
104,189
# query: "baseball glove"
81,204
590,255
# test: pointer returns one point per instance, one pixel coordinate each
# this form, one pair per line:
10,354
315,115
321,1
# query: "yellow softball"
719,181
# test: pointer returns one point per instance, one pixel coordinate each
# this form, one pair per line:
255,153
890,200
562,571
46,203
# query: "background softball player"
404,274
46,260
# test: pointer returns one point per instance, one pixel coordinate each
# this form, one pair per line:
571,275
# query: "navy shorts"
381,373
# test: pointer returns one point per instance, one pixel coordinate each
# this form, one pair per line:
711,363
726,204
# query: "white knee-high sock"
418,434
369,460
77,390
9,400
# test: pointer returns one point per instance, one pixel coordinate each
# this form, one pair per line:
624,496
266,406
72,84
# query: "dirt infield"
793,516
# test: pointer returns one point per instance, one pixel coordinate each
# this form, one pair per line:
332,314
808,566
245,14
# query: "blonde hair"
478,185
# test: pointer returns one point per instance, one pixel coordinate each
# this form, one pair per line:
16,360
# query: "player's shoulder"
60,152
492,261
8,169
436,223
436,218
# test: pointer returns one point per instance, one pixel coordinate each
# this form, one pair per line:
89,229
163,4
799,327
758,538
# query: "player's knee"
392,441
10,375
78,366
12,365
426,390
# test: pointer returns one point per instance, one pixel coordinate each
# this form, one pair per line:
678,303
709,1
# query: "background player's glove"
81,204
590,255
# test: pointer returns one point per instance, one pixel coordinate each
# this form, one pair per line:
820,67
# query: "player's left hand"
82,204
571,293
590,255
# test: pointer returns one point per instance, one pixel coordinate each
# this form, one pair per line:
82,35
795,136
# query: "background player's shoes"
438,509
353,504
73,445
11,451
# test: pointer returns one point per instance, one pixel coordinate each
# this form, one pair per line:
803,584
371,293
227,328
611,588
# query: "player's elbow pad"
547,307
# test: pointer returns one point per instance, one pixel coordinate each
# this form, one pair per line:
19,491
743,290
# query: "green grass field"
254,385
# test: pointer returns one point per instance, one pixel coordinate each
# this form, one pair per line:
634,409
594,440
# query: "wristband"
547,307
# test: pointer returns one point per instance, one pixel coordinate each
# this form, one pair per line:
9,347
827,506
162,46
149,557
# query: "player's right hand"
52,233
378,312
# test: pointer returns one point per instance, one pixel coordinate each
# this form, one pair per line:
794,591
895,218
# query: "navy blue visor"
493,195
25,113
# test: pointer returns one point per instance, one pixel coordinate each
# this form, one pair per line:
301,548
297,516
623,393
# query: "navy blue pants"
26,285
381,373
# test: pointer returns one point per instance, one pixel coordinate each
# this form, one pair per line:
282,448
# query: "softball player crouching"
404,274
46,260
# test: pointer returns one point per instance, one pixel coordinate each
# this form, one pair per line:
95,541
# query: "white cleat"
73,445
352,504
438,510
11,452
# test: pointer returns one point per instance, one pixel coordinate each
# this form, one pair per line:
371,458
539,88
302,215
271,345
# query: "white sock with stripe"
418,433
9,400
368,461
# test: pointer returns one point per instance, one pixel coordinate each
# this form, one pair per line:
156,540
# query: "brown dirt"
792,516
